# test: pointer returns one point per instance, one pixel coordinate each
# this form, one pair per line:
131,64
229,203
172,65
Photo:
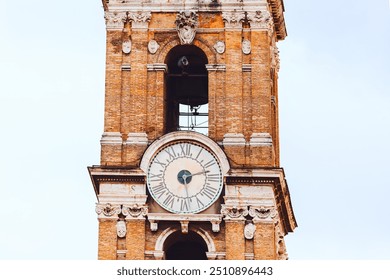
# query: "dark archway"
190,246
186,86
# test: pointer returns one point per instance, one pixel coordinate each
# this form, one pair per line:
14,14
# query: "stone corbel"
234,212
140,20
275,60
263,213
107,210
134,211
215,226
184,226
115,20
153,225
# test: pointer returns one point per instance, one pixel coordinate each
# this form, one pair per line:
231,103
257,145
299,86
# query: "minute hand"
198,173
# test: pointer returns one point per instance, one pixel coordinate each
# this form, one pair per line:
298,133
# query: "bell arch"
172,243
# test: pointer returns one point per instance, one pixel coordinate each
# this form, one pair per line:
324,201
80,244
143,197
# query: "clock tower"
190,151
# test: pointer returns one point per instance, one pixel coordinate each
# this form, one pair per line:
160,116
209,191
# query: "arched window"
186,85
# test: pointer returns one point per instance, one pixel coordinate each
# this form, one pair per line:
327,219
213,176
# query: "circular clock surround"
184,171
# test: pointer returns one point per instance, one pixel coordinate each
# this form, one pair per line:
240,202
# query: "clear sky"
334,92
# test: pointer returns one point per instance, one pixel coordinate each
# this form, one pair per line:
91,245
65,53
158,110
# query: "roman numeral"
160,163
209,191
184,205
213,177
171,152
159,189
155,177
185,149
169,200
200,151
200,203
210,163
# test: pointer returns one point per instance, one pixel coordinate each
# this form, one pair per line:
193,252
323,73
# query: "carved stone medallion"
153,46
121,229
249,231
220,47
126,46
246,46
186,24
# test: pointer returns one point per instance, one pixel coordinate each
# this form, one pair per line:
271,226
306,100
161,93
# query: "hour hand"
198,173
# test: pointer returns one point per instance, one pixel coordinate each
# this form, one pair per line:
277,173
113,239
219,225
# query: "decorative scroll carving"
246,46
262,213
115,20
126,46
234,212
134,211
153,46
186,25
108,210
233,19
121,229
249,231
261,20
275,60
140,19
219,47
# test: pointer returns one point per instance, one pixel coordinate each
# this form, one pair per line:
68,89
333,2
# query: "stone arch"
170,43
203,234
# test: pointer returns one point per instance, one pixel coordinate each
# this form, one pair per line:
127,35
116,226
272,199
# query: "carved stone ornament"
262,213
261,20
140,19
135,211
186,25
234,212
246,46
107,209
275,60
153,46
219,47
126,46
233,19
121,229
249,231
115,20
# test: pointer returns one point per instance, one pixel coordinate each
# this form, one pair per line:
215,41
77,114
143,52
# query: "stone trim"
126,67
216,67
111,138
108,210
234,213
260,140
137,139
115,20
247,68
233,19
139,19
157,67
233,139
135,211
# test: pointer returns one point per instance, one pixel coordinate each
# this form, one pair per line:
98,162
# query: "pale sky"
334,93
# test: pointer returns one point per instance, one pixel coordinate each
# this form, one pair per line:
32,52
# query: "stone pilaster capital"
115,20
261,20
108,210
234,213
135,211
139,19
233,19
263,214
186,25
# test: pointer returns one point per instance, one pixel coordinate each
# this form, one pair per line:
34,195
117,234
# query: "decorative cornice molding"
263,213
107,210
186,25
135,211
233,19
115,20
139,19
234,212
261,20
111,138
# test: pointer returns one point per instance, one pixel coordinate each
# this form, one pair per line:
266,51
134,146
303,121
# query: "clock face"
184,177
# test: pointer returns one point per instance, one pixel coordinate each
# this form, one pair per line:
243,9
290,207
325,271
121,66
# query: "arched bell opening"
189,246
186,86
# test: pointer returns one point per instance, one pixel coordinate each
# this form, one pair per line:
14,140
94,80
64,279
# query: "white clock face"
184,177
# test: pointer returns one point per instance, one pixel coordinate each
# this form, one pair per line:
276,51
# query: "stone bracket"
185,219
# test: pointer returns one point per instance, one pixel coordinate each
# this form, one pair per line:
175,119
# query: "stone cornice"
275,7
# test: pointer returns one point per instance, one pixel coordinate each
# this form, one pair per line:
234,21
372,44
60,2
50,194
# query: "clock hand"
202,172
186,187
